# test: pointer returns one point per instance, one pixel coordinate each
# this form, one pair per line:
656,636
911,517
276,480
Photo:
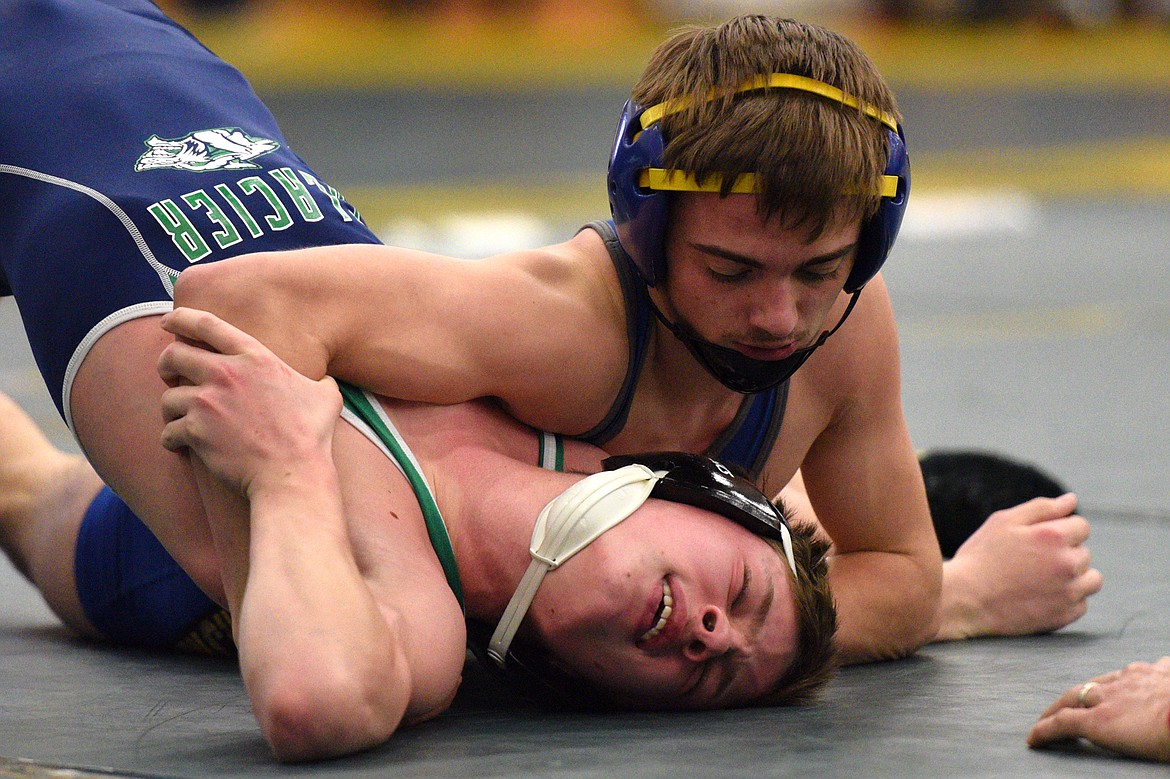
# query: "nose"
773,308
712,635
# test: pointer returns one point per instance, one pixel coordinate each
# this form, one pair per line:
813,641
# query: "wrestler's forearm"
886,604
227,516
322,664
960,613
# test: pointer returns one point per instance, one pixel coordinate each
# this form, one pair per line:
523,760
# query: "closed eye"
747,583
818,276
730,275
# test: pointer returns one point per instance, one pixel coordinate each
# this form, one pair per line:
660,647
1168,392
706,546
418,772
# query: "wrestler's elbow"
224,288
923,595
322,713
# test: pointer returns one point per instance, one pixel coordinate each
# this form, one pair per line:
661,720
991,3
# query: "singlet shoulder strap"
366,414
639,326
551,453
748,441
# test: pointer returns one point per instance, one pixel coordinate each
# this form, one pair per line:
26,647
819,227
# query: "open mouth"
662,616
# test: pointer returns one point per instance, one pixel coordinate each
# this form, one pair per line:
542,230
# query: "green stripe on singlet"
361,404
551,452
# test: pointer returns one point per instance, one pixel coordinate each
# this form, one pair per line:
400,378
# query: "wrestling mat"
958,710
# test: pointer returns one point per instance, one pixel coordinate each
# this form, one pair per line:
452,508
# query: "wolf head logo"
223,148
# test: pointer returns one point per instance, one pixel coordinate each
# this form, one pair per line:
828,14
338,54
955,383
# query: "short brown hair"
816,619
818,162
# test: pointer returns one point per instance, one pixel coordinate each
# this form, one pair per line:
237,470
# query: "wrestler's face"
730,632
761,288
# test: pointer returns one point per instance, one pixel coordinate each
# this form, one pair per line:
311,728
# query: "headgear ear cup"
880,231
640,213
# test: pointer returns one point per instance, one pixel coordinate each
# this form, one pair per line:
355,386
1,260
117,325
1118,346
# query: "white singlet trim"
136,311
362,427
165,274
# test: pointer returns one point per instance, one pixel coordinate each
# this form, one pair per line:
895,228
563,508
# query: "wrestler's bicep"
522,328
269,297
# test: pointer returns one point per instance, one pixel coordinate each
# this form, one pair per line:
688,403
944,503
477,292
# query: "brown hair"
818,162
816,619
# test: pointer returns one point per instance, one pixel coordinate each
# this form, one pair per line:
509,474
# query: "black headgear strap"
737,371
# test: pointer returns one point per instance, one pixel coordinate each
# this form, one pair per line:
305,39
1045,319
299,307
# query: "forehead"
664,516
705,216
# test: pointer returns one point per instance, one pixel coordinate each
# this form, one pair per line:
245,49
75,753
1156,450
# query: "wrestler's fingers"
1046,509
1073,528
1090,582
174,435
205,327
185,363
176,402
177,433
1062,724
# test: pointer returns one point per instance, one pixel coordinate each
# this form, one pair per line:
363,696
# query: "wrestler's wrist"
961,614
292,479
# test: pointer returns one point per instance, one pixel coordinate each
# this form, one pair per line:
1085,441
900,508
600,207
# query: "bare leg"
44,494
118,420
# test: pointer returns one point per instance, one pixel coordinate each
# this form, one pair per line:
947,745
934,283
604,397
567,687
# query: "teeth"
663,613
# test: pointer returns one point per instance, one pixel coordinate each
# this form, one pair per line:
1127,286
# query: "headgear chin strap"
736,370
568,524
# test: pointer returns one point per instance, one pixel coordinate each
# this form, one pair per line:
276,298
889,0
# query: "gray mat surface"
955,710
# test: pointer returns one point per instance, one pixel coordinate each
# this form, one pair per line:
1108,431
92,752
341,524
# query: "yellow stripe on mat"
309,45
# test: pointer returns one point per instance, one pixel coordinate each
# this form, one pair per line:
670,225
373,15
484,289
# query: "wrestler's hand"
248,416
1026,570
1125,711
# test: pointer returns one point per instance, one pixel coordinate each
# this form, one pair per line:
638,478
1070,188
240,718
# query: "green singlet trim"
551,452
360,404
